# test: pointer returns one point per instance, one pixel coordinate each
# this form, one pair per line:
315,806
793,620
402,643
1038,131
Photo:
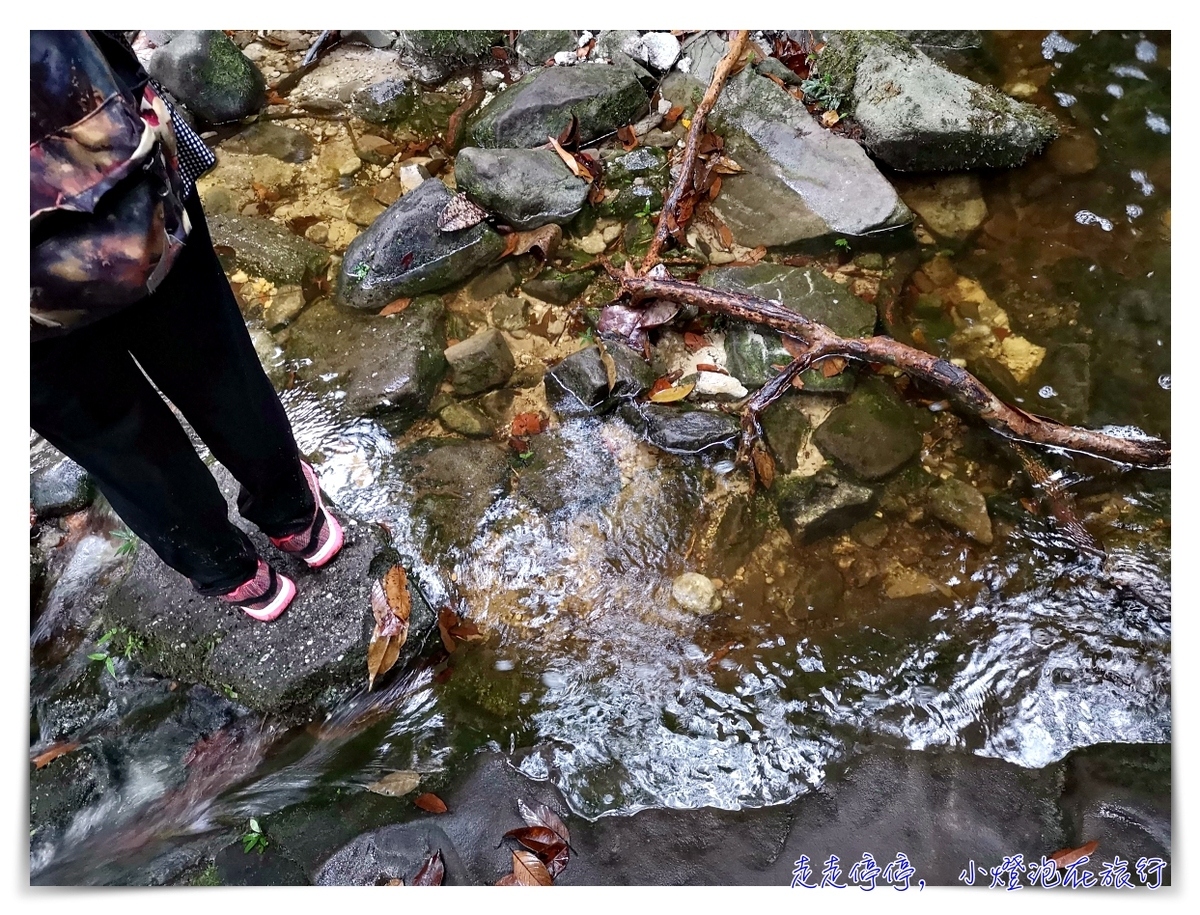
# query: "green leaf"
98,656
107,637
112,668
254,825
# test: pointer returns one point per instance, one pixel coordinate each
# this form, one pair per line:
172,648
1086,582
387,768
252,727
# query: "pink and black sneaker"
265,596
322,539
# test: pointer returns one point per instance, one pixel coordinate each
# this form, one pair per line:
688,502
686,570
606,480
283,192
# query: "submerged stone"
578,385
383,102
209,75
695,593
467,420
404,253
961,506
786,426
752,350
681,430
801,181
873,434
541,105
815,507
558,288
275,140
918,116
568,472
952,206
263,248
453,484
527,188
390,365
480,362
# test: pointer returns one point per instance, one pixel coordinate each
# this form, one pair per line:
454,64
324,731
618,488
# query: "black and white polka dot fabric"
195,158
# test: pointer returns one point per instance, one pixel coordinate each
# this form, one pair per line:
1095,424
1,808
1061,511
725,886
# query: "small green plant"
820,90
360,271
134,644
254,839
842,245
645,213
588,337
128,540
104,655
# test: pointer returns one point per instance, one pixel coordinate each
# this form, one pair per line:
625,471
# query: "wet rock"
60,487
786,427
801,181
634,182
601,97
412,177
362,208
390,365
384,102
962,506
952,206
526,187
558,288
494,282
397,851
453,485
633,375
374,38
302,662
330,87
511,314
873,434
943,39
283,307
536,46
268,139
480,362
695,593
338,159
815,507
578,385
1075,153
717,387
918,116
657,50
1063,383
568,472
820,592
752,350
404,253
901,583
434,54
263,248
207,72
681,430
466,420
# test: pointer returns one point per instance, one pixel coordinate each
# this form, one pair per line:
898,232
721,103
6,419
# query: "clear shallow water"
592,678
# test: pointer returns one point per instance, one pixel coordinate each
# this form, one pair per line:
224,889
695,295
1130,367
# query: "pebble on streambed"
696,593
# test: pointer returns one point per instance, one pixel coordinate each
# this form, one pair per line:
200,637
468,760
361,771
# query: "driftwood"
668,218
963,389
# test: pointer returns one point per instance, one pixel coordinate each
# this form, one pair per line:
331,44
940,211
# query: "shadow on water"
904,634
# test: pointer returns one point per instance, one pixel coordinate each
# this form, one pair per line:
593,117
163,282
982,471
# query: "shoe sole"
332,546
273,610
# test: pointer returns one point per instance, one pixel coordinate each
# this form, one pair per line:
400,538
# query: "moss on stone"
839,59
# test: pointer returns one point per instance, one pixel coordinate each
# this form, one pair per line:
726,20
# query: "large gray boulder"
302,662
433,54
536,46
918,116
209,75
602,97
263,248
801,181
525,187
385,365
404,253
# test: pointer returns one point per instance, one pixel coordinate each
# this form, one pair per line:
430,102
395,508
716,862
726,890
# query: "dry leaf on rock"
1069,856
671,395
529,870
432,872
391,605
394,308
543,241
460,213
430,802
396,784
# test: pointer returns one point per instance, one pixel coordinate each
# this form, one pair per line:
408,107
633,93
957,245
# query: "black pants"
90,400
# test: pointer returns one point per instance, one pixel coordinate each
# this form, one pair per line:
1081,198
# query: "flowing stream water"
1023,650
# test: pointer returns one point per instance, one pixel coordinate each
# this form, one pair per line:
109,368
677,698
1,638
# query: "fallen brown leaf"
1068,856
433,871
570,161
538,839
694,342
672,116
627,137
430,802
508,880
529,870
52,753
394,308
525,424
662,384
832,366
764,466
671,395
391,605
829,118
541,815
709,367
543,241
396,784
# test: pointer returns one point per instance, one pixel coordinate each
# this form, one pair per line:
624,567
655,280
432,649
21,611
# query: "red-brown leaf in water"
524,424
430,802
694,342
52,753
538,839
433,871
394,308
795,348
447,620
529,870
661,385
1069,856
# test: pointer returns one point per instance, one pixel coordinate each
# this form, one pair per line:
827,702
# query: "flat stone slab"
313,655
528,188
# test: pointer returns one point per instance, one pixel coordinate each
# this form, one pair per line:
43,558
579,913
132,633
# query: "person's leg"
89,400
191,339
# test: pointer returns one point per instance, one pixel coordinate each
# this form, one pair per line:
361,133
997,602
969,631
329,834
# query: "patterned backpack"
106,206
